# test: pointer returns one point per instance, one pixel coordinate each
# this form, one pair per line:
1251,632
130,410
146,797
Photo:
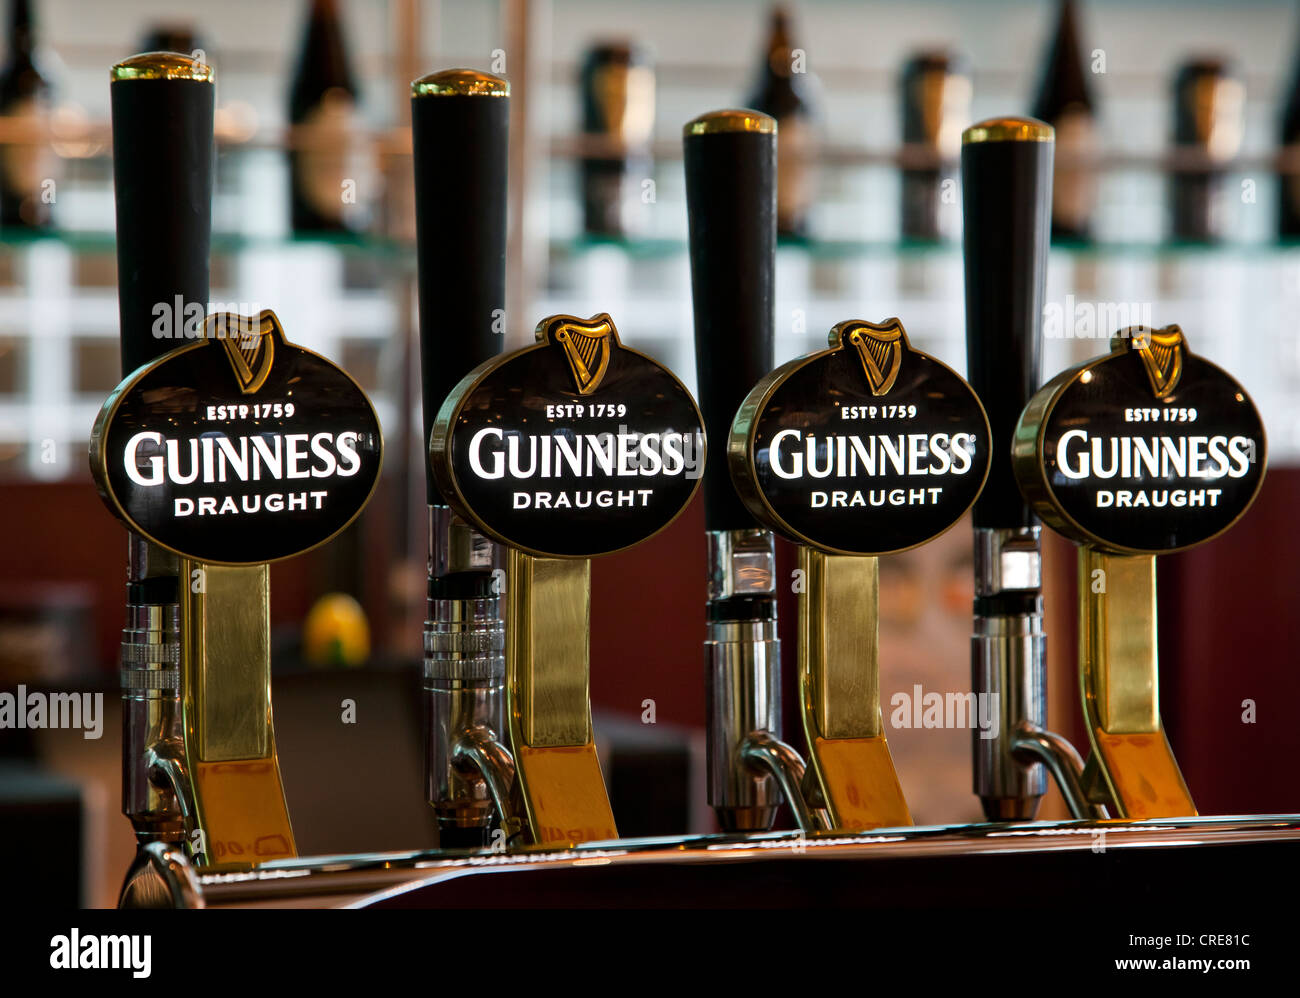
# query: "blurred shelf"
846,249
386,249
103,241
1172,159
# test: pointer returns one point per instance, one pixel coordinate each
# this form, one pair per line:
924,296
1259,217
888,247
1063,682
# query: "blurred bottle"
785,92
25,165
1209,121
171,36
322,104
936,96
618,112
1064,101
1288,200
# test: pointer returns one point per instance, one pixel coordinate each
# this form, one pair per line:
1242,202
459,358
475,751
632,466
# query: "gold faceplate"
839,678
549,606
229,738
548,609
1119,675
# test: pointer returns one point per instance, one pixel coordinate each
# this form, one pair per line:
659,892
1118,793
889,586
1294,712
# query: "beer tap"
1145,450
164,104
225,447
1006,166
730,161
570,448
460,200
864,449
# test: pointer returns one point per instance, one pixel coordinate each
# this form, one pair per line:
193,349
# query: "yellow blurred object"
336,632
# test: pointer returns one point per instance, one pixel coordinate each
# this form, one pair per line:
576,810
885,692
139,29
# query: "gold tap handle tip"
163,66
737,120
460,83
1009,130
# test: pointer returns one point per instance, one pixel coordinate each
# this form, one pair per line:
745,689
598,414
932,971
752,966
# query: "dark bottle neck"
22,31
1064,85
1291,109
778,88
322,61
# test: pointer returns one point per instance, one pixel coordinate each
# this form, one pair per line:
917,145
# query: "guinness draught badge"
1148,449
241,448
869,447
573,447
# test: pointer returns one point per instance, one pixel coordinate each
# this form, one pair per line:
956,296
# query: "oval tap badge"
1145,450
867,448
573,447
237,449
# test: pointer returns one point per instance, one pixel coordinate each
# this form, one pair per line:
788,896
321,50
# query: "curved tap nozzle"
165,765
479,751
161,877
1031,744
764,752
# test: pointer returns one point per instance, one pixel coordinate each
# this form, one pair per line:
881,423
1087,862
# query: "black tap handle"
163,161
1006,176
731,205
459,130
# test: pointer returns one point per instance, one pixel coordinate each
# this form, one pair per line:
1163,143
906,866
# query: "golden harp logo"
880,348
587,345
1161,351
249,343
